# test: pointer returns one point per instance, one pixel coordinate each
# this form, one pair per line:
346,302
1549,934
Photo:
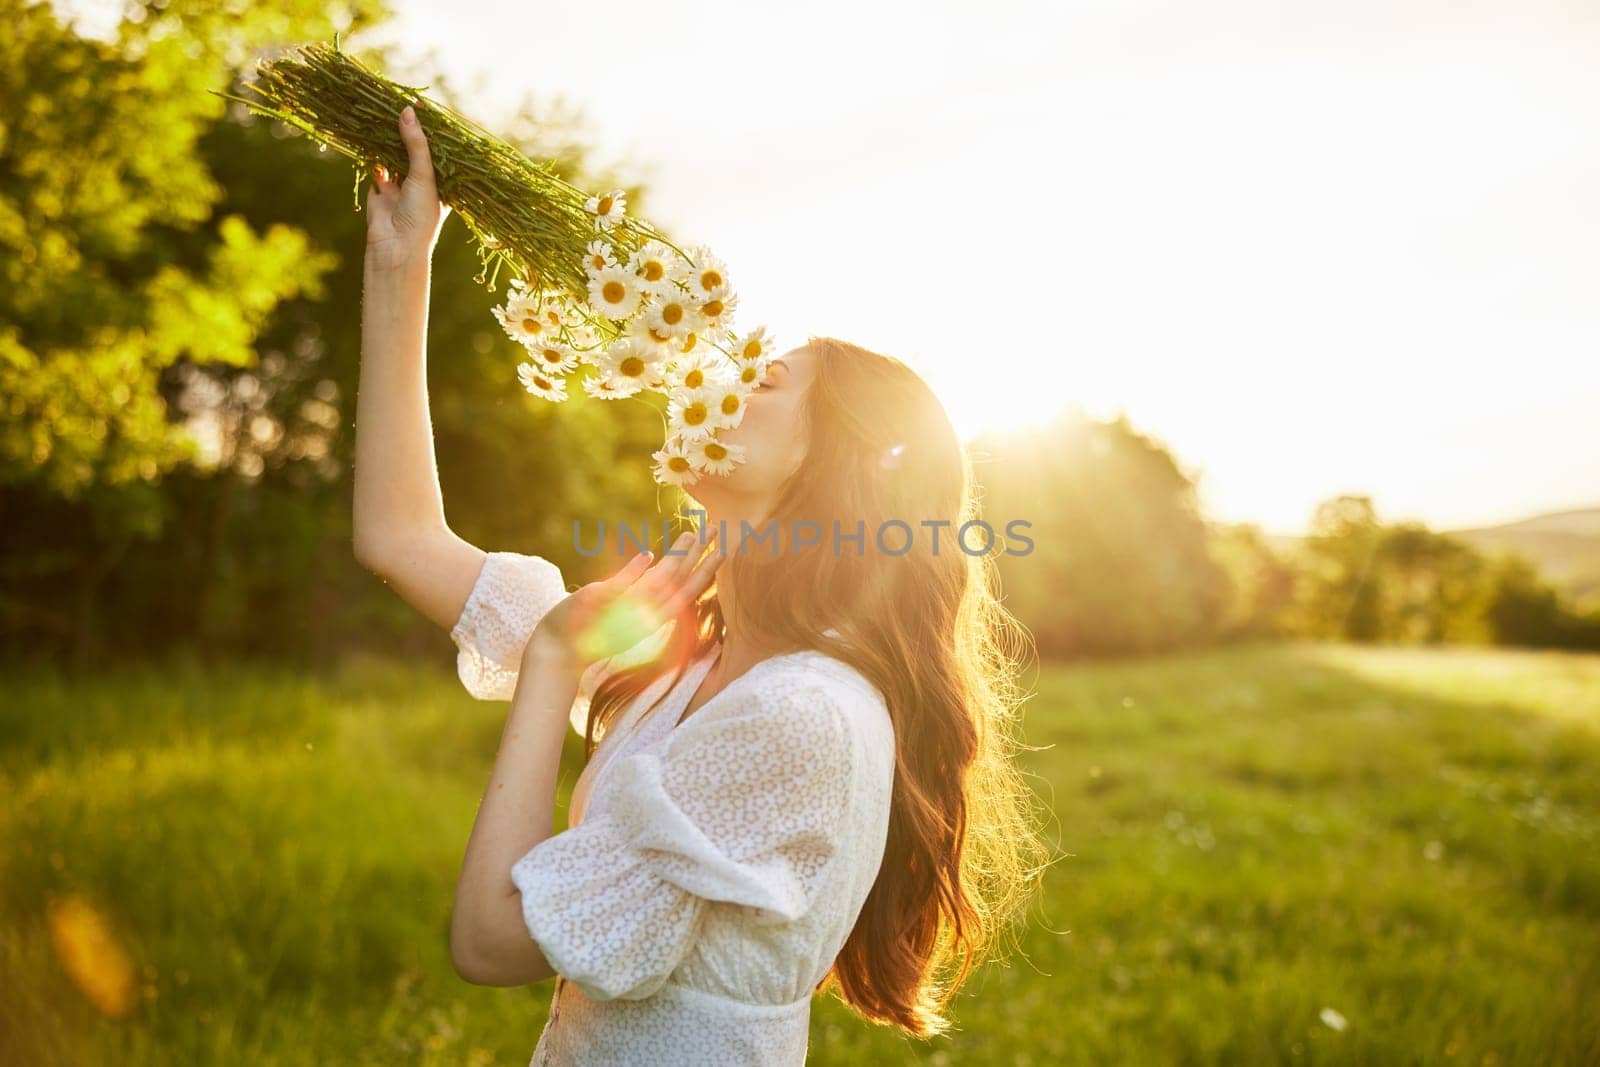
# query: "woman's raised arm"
398,527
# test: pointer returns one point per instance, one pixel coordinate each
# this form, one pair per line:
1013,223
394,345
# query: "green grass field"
1254,840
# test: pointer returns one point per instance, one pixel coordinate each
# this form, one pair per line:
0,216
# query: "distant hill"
1565,545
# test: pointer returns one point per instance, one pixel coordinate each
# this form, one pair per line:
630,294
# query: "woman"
810,787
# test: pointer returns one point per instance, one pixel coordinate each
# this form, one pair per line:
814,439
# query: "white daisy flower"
712,456
753,346
639,331
604,386
673,313
540,384
708,275
626,361
673,465
522,319
552,357
695,342
598,256
656,265
560,314
614,292
690,413
698,368
749,374
717,310
728,404
607,209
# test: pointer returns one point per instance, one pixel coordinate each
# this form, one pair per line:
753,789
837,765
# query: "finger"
682,602
631,570
377,198
382,178
419,163
698,580
669,569
690,581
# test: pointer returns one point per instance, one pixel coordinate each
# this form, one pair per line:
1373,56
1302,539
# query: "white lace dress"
710,871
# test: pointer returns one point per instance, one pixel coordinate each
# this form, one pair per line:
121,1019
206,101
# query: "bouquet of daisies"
594,293
653,319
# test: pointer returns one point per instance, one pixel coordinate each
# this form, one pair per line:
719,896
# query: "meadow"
1277,853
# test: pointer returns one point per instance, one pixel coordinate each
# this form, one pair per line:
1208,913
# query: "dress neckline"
643,731
714,657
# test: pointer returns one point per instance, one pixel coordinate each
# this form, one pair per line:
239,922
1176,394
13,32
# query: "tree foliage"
179,347
116,263
1120,562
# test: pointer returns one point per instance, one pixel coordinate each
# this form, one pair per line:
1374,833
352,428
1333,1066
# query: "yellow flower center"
752,350
542,383
654,271
604,207
677,463
712,309
672,314
730,404
747,375
694,379
531,325
710,280
613,292
632,366
553,355
695,414
690,343
715,451
661,337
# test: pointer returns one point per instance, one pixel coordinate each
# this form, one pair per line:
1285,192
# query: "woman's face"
772,431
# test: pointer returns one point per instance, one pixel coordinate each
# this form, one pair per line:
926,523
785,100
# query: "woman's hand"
403,218
613,614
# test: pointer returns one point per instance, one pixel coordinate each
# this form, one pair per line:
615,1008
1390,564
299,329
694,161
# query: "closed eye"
769,379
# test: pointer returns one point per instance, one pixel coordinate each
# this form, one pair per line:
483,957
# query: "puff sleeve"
512,593
744,807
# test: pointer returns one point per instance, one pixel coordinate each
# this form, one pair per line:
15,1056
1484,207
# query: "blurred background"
1276,322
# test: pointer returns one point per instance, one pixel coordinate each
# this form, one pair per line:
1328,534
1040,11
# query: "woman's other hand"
404,217
614,614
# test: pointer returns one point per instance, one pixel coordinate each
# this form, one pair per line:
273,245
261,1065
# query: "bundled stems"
522,215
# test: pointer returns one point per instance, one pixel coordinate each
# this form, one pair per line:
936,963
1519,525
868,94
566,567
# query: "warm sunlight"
487,574
1113,205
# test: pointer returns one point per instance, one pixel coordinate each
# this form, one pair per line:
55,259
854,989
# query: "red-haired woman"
808,786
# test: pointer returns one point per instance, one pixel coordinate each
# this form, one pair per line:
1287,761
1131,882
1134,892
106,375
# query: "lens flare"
91,955
623,623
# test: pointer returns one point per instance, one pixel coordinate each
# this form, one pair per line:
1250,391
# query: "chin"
715,491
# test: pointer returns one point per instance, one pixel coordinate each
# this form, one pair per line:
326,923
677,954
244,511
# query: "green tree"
1260,583
1337,592
1121,562
227,522
1359,579
116,264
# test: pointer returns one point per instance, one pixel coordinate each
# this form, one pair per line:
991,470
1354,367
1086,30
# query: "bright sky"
1333,246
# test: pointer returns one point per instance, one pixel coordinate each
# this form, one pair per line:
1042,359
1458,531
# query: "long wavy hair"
964,856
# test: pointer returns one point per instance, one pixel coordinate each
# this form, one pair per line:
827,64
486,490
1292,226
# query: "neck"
741,648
